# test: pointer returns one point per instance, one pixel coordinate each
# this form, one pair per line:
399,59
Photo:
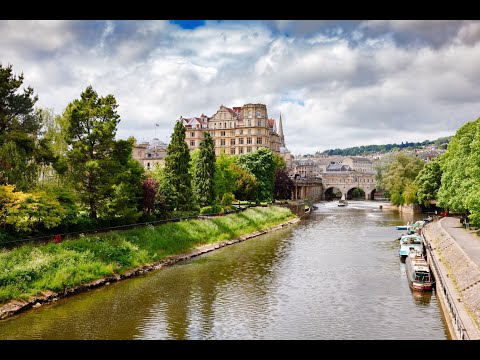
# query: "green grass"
27,270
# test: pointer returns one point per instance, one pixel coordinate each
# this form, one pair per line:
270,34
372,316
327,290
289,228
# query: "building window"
259,114
259,122
192,142
249,131
234,124
148,165
240,141
232,133
240,150
212,133
259,140
222,133
249,140
250,114
241,132
249,149
232,151
215,126
249,122
225,125
232,141
222,142
192,134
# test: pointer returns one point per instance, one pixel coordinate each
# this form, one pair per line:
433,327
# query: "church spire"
280,131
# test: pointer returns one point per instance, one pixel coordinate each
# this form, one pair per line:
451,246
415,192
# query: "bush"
227,199
211,210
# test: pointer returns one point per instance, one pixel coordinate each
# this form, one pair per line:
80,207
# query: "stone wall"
464,272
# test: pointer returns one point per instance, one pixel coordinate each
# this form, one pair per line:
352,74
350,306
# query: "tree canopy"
398,179
21,149
460,183
261,163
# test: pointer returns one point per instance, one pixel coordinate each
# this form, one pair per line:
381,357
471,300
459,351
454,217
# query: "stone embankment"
16,306
457,281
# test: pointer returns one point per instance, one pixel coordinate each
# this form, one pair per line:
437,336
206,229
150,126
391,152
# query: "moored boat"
408,243
418,272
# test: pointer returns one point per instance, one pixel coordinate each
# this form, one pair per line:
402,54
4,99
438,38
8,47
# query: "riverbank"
33,275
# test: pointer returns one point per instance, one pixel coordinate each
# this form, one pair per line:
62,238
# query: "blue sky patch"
188,24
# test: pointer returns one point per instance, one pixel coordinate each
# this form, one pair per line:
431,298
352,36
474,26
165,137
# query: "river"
334,275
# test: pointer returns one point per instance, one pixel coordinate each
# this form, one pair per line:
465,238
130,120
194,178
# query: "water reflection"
335,275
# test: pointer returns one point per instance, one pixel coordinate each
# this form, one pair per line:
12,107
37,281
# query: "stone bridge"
310,187
346,182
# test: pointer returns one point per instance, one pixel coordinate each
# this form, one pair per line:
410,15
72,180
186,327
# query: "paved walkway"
466,239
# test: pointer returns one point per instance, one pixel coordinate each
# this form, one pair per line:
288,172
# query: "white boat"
342,202
408,243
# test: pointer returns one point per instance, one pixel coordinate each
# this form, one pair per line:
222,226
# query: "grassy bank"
30,269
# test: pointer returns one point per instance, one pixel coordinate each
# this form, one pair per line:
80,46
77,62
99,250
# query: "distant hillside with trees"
441,142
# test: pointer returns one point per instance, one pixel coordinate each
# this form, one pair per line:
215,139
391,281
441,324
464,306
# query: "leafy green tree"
177,182
101,169
279,161
54,135
20,148
246,187
204,172
460,187
428,182
400,174
381,167
261,163
125,191
225,175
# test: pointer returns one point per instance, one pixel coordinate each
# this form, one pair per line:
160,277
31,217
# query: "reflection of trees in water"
246,269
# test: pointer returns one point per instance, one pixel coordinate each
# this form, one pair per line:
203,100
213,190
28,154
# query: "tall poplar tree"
204,172
177,184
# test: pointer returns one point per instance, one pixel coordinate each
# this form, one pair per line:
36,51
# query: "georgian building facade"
237,130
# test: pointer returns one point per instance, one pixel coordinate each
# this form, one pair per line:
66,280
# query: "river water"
334,275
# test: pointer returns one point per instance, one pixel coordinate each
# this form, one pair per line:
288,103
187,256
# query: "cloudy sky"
337,84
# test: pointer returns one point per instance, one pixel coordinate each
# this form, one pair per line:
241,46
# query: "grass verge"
30,269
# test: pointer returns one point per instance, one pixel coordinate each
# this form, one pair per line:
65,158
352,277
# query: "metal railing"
459,326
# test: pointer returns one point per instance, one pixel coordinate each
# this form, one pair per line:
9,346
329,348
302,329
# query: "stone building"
358,163
150,153
238,130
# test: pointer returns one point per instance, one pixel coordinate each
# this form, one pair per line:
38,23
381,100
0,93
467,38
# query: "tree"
460,186
261,163
124,193
20,124
246,187
428,182
401,173
283,185
225,175
177,184
105,177
204,172
28,211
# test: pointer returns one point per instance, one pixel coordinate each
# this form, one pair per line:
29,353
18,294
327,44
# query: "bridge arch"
346,182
